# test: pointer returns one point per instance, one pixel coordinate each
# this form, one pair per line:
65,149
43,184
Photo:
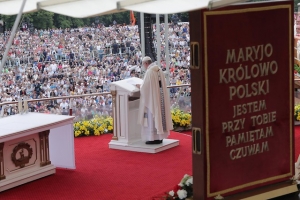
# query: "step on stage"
140,146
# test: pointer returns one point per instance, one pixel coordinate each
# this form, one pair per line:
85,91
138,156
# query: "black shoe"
158,141
151,142
154,142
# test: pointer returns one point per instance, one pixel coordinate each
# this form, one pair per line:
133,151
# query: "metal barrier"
65,56
72,97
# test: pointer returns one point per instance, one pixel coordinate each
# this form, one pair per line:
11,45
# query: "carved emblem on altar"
21,154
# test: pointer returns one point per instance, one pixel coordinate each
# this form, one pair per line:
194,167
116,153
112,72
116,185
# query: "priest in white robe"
154,111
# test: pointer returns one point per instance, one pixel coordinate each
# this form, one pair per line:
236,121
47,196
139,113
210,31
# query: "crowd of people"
63,62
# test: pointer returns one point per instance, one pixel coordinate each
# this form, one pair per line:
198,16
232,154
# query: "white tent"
80,8
12,7
163,6
89,8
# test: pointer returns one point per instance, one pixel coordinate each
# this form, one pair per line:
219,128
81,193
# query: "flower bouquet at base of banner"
182,191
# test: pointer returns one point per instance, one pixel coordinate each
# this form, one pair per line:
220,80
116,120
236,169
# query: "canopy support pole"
142,40
167,53
158,46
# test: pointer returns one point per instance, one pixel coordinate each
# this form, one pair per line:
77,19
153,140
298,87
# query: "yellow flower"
96,126
297,112
96,132
180,118
85,123
86,132
77,133
77,124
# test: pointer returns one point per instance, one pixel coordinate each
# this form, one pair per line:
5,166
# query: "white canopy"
12,7
164,6
80,8
90,8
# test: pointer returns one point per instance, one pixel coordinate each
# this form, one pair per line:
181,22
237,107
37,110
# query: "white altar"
127,132
32,145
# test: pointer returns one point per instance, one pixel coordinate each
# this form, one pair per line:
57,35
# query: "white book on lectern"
127,84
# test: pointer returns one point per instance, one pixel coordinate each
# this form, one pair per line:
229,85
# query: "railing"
55,98
65,56
86,108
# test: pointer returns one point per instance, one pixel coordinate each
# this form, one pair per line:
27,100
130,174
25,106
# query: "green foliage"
44,20
297,68
41,19
184,17
77,22
61,21
105,19
122,17
87,21
296,5
9,20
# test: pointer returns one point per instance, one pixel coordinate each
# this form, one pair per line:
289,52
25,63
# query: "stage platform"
140,146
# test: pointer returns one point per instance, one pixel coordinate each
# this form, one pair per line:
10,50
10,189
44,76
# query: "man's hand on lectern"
138,86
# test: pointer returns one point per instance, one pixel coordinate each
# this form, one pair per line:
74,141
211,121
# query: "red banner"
249,97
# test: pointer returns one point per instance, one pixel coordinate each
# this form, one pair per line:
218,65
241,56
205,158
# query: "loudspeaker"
149,47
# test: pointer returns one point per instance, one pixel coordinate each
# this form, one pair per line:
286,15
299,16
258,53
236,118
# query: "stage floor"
144,175
293,196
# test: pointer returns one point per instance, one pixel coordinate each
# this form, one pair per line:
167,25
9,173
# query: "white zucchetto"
146,58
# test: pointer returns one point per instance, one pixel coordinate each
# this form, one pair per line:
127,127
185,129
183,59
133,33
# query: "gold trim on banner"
195,55
207,13
291,92
196,138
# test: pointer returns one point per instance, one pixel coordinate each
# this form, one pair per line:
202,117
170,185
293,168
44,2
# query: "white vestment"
154,111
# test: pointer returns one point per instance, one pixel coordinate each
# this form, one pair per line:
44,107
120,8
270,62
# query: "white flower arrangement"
171,193
189,181
183,190
182,194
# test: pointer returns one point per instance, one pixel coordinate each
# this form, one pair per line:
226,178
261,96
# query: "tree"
41,19
77,22
122,17
44,19
184,17
9,21
61,21
296,5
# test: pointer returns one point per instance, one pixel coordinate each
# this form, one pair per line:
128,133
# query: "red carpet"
106,174
188,132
